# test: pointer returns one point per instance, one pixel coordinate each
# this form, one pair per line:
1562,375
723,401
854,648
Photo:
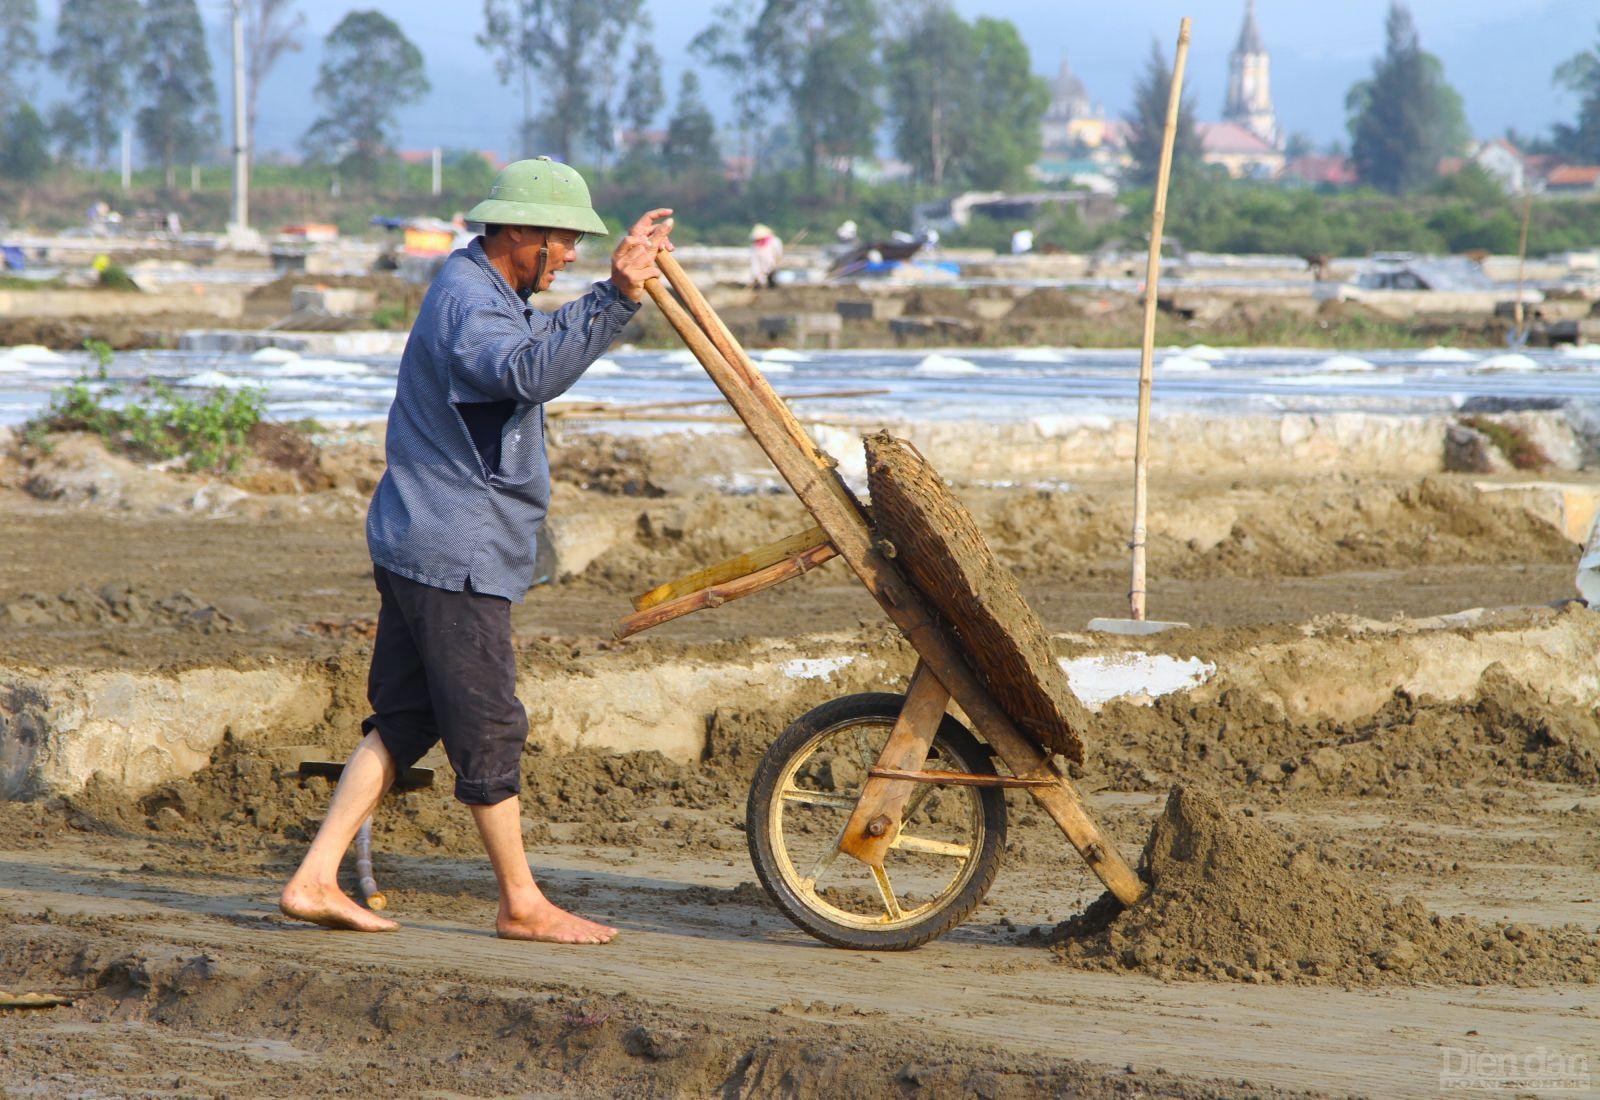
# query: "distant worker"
1022,242
848,233
766,252
452,527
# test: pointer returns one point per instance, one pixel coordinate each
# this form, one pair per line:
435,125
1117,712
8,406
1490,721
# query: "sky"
1498,53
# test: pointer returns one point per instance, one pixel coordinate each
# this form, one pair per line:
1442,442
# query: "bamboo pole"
718,594
1522,261
839,514
1147,350
740,565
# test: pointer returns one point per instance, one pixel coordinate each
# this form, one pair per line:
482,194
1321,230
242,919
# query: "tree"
179,117
691,146
963,100
1148,122
819,56
642,97
726,45
24,144
269,32
1580,74
929,70
1011,102
513,32
97,44
19,49
1406,117
370,69
573,44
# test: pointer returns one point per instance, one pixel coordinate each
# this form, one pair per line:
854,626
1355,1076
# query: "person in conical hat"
766,252
453,524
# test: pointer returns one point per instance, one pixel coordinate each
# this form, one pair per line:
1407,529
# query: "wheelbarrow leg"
877,818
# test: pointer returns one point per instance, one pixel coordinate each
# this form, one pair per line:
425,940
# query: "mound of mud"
1413,745
1230,900
948,559
131,605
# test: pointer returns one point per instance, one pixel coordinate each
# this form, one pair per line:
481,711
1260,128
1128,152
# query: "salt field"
1001,385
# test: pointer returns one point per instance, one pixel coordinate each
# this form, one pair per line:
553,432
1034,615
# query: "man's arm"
495,357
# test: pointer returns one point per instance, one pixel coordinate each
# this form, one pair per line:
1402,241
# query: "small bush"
391,317
116,277
210,434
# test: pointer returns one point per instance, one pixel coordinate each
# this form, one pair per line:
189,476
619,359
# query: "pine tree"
691,146
1406,117
1149,123
179,118
370,70
1580,74
97,45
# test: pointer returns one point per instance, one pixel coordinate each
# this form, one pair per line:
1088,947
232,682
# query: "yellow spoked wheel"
942,862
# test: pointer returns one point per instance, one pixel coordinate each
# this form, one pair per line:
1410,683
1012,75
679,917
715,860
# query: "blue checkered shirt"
468,482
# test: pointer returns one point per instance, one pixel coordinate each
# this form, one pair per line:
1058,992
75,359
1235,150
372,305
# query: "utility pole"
241,136
127,159
438,171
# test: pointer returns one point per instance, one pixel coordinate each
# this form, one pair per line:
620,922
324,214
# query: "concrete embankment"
61,729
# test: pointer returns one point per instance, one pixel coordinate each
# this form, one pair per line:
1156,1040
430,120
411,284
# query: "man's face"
526,242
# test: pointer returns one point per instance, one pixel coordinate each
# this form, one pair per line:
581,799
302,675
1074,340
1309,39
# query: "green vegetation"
1406,117
1149,122
211,434
391,317
1511,441
370,70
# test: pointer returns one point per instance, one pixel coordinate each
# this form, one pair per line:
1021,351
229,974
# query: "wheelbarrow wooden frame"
943,672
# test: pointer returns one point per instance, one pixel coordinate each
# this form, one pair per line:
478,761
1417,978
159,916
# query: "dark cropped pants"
443,668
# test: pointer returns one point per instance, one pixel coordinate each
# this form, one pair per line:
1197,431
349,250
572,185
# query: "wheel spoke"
891,904
826,861
932,847
918,797
818,798
868,756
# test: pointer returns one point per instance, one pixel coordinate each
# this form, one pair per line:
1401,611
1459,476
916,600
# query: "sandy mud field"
1369,808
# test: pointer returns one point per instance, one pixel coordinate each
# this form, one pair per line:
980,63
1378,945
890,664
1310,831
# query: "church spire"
1250,34
1250,82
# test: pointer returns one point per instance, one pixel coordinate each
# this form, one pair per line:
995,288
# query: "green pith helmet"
539,192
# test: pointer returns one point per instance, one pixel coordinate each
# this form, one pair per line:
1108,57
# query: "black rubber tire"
961,752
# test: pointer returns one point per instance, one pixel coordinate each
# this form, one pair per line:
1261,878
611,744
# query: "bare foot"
330,907
547,923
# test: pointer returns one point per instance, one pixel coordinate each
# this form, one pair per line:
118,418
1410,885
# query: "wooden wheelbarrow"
895,784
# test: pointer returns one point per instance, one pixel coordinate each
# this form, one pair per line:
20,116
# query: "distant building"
1504,161
1320,170
1573,179
1249,101
1073,123
1241,151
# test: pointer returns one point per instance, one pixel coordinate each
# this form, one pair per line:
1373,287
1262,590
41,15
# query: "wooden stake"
839,514
1522,259
1147,350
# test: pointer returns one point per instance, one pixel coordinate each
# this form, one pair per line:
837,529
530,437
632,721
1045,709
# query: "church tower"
1250,83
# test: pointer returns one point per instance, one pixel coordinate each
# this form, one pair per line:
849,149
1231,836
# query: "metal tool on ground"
412,779
874,775
1136,623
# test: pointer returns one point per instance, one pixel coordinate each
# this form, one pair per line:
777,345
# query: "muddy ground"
1454,843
